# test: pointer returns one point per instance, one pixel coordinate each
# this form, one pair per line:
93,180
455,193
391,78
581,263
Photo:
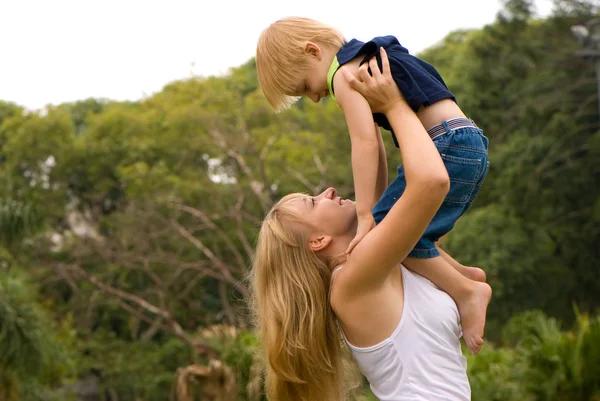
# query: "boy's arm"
382,169
365,153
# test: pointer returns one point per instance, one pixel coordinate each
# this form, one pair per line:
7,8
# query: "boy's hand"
365,225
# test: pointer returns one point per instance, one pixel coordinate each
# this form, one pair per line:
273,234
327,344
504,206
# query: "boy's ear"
312,49
318,242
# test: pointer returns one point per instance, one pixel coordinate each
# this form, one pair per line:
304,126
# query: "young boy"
298,57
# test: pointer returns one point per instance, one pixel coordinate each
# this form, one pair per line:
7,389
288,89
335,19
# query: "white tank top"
422,359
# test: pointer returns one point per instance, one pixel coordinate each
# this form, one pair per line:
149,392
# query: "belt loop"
446,126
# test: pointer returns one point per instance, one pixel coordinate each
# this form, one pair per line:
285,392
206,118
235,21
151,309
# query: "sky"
56,51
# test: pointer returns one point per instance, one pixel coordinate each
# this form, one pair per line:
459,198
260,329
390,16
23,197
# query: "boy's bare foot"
472,311
472,273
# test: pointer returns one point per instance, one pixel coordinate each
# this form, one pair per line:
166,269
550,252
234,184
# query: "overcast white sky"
54,51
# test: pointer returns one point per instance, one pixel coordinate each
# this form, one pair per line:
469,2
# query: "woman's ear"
319,242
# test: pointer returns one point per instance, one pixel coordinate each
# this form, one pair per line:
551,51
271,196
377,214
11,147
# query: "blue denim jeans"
464,153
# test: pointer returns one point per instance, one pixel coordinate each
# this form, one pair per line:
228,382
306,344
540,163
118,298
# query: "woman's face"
328,213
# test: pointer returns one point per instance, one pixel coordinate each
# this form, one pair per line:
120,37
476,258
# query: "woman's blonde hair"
299,335
281,58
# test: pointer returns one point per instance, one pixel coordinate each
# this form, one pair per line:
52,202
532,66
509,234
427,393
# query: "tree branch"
174,327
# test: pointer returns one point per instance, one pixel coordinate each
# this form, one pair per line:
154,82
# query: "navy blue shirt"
419,82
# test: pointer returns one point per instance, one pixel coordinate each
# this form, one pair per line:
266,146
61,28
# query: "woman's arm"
427,184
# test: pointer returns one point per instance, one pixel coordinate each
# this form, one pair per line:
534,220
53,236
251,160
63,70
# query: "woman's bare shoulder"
345,288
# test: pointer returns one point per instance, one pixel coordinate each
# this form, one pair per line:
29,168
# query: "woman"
402,331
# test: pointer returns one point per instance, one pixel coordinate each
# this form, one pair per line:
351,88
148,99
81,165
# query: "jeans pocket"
464,175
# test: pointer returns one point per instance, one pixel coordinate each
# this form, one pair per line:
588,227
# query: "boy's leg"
471,297
473,273
463,163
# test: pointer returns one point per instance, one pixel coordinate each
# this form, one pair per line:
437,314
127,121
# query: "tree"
151,209
520,81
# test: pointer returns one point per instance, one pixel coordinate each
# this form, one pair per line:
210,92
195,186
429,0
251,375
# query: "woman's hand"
365,224
380,89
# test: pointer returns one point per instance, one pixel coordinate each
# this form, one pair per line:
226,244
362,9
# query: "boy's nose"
314,97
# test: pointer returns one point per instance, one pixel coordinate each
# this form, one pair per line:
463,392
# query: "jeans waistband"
449,125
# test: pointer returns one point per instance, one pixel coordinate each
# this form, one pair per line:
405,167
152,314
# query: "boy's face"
314,82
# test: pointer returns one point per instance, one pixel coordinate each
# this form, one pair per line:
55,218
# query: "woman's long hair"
290,289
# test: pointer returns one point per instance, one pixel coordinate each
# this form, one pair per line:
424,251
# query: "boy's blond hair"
281,58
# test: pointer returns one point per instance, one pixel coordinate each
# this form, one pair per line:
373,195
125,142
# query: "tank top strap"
336,270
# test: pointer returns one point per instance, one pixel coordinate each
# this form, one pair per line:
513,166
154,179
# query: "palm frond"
17,220
24,343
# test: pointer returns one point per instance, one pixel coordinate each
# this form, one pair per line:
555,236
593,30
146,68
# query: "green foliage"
151,210
563,366
495,374
17,220
542,363
133,369
533,228
239,349
23,337
35,352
